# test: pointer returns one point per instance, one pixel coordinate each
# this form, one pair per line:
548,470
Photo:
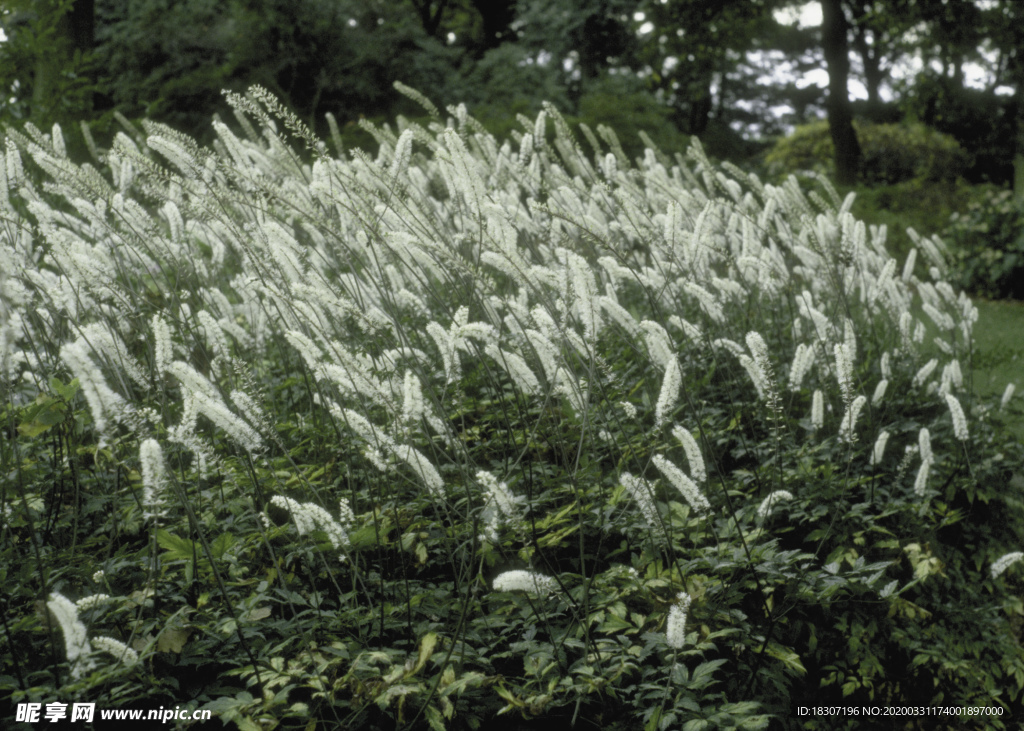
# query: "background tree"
709,69
835,43
47,63
693,48
880,39
69,44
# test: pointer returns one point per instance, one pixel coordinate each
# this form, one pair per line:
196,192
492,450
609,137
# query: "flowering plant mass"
466,427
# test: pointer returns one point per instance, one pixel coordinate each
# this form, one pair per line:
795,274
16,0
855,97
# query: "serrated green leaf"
178,549
434,718
427,645
787,657
221,544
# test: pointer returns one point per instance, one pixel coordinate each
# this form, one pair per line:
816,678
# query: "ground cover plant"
487,431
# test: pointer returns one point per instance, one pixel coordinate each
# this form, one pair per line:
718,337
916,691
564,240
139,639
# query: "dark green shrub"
988,246
891,153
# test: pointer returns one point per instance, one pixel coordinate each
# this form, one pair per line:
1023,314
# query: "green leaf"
427,645
434,718
259,613
702,676
66,392
178,549
173,639
44,413
787,657
652,722
615,625
221,544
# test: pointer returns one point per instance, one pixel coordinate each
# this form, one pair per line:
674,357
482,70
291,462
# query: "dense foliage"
717,69
988,240
891,153
485,429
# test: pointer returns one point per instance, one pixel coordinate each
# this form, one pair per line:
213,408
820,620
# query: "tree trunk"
835,44
497,17
873,72
430,15
1018,156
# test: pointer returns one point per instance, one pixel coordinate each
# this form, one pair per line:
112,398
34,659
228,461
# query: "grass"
999,337
1000,341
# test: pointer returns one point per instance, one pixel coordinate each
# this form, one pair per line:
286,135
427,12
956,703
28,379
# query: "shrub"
479,428
890,153
988,245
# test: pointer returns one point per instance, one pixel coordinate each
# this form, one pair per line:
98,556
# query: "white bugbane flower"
154,478
162,352
817,410
527,581
849,423
116,648
763,365
681,482
249,408
92,601
675,630
757,376
908,266
658,343
423,468
802,362
641,492
208,402
309,517
1004,562
769,502
669,391
879,449
924,444
403,150
501,505
76,639
1007,395
926,370
412,398
707,301
959,419
693,455
516,367
879,394
103,402
921,482
844,370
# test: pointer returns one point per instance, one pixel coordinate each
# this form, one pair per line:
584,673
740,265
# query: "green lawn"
999,334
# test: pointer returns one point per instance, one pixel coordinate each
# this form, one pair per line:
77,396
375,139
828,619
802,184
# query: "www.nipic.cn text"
86,713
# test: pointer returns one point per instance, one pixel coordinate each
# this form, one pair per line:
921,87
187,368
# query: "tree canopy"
731,72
